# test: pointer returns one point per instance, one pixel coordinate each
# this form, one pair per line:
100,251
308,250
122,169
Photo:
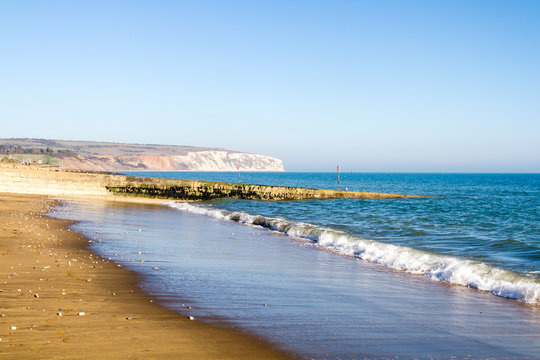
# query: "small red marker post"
338,170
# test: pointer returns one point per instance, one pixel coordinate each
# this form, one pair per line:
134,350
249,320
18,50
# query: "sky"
390,86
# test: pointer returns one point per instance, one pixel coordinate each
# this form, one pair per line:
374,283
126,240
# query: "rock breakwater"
52,181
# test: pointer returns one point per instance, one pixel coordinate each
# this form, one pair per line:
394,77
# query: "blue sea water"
436,278
490,218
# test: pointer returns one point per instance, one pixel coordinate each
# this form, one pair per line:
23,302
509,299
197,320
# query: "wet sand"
66,302
319,304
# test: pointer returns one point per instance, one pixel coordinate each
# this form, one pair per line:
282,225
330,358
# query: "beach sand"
46,270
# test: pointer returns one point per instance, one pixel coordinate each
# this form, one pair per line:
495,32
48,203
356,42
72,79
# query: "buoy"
13,328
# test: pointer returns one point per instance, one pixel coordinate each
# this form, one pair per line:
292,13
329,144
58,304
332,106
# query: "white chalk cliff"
106,156
227,161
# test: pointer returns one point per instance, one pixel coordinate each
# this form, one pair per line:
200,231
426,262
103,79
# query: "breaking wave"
437,267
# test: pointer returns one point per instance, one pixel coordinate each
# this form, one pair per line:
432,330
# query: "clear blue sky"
372,86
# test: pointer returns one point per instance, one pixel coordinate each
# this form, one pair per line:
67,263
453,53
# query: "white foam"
453,270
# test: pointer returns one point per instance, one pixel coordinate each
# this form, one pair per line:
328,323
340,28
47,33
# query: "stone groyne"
53,181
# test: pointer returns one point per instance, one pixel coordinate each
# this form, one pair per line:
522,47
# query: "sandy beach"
59,300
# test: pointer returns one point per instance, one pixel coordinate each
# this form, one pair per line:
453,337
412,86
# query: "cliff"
210,160
102,156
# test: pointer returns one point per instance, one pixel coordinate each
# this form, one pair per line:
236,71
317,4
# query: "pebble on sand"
59,313
81,313
191,318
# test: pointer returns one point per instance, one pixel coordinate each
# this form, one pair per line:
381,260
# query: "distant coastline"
103,156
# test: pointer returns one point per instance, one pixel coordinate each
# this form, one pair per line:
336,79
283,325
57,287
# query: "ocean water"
484,231
455,276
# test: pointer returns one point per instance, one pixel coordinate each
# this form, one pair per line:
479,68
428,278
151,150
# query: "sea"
456,275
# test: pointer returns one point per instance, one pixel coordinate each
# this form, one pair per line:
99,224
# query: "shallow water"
484,231
319,304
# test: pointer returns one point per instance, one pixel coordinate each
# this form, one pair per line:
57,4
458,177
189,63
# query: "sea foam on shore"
438,267
309,302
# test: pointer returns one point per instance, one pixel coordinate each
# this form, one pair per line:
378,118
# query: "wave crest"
474,274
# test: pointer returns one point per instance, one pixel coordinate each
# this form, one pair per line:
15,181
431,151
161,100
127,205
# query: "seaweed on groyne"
52,181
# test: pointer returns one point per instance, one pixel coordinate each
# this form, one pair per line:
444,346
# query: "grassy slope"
103,148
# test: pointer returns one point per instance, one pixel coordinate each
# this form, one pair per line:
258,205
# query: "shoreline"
67,302
321,305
